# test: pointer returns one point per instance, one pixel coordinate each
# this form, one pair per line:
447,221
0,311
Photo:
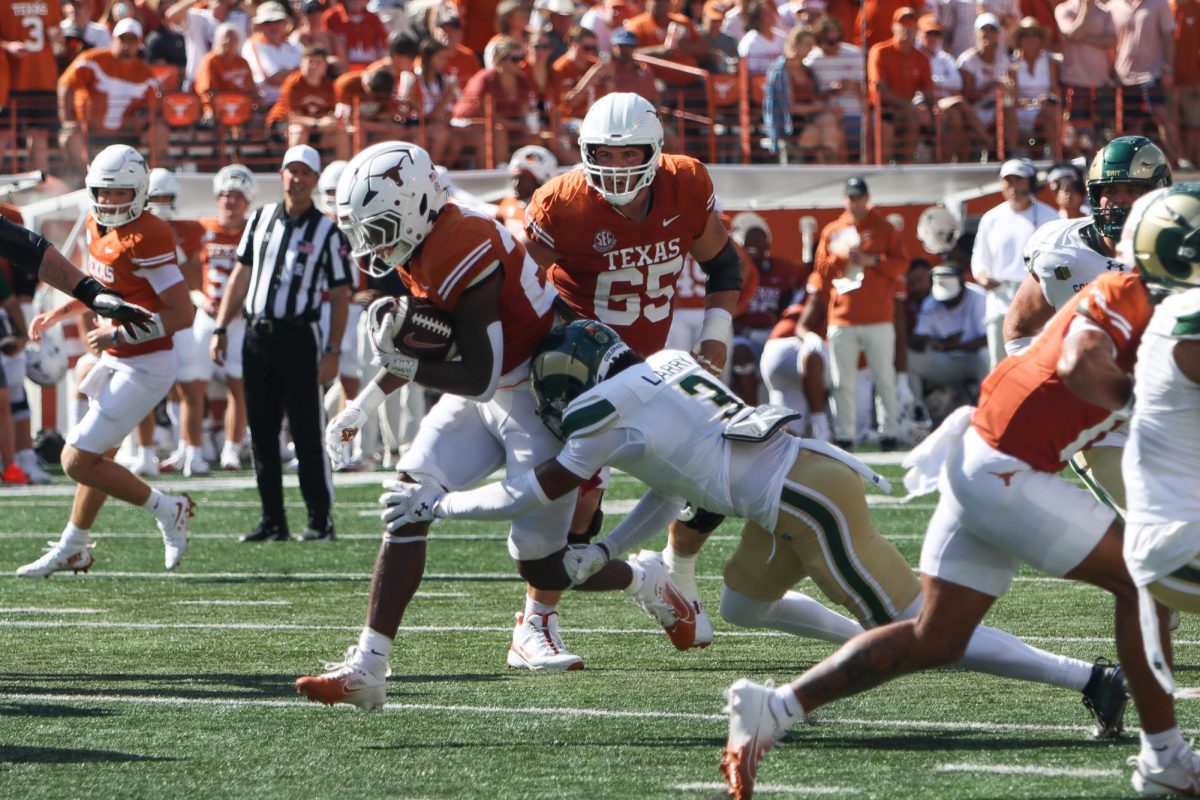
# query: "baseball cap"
564,7
1062,172
929,24
127,25
807,5
905,14
312,7
308,156
1018,168
270,12
985,19
856,187
624,37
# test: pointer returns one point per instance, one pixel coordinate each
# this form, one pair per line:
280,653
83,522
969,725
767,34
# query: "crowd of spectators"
830,80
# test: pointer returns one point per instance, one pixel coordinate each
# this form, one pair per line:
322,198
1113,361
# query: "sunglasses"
515,59
589,48
543,46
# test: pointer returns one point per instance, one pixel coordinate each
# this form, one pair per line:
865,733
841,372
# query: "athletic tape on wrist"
717,327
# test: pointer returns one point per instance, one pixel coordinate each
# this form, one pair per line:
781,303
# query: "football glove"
381,325
582,563
409,503
401,365
340,433
132,317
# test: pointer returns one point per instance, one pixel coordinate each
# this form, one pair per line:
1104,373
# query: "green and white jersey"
662,422
1161,463
1062,255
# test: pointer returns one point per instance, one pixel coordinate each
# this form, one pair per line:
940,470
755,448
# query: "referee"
290,256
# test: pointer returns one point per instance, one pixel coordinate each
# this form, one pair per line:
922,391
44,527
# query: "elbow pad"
724,270
22,247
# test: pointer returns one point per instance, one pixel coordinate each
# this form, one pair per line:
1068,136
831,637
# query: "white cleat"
537,646
174,529
144,465
230,460
691,593
347,681
1179,778
752,732
29,462
659,598
194,466
59,558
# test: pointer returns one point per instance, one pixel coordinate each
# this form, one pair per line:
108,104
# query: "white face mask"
945,288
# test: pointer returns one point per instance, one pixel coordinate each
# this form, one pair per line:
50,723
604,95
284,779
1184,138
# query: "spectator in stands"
112,92
875,20
446,26
512,20
539,71
366,107
603,19
434,92
838,67
996,260
762,44
309,31
1187,78
401,58
902,88
985,68
513,102
662,33
560,18
722,48
271,56
1145,65
1036,89
628,75
78,18
223,70
947,349
199,24
359,35
1088,38
1070,193
801,13
792,107
32,74
957,119
860,258
579,73
305,105
166,46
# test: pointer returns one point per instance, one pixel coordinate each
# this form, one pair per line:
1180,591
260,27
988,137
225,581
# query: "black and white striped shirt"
292,262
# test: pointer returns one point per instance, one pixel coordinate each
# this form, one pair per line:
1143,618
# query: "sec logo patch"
604,241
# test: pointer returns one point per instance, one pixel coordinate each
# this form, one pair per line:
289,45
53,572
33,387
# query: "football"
420,329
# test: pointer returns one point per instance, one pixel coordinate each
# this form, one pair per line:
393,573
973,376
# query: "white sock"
639,577
160,505
1159,749
819,423
73,536
374,648
190,451
785,707
146,452
534,607
175,415
683,571
794,613
1000,653
232,447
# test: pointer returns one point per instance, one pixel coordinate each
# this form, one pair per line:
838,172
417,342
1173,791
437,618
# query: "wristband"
717,327
86,290
370,398
219,331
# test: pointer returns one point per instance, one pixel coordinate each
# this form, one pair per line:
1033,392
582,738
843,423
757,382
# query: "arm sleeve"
21,246
495,501
653,513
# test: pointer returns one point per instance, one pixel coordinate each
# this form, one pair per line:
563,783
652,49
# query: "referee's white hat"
306,155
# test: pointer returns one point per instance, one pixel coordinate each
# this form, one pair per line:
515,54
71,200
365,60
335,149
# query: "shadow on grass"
38,710
669,743
943,742
17,754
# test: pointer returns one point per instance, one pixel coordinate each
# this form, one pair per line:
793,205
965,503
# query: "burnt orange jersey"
1026,411
217,74
458,252
109,91
612,269
30,22
348,89
511,214
188,233
297,96
364,34
123,258
218,256
777,282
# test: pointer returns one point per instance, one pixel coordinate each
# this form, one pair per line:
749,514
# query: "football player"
683,432
529,168
793,367
613,238
1003,503
1065,255
393,208
131,252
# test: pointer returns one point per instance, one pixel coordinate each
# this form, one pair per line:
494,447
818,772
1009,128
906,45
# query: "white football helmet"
537,161
938,229
387,200
745,221
118,166
234,178
162,184
327,186
46,360
621,119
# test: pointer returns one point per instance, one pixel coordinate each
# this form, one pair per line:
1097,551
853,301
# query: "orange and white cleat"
752,733
538,647
659,598
59,558
348,681
173,522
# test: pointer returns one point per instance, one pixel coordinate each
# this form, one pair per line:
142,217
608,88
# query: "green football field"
132,683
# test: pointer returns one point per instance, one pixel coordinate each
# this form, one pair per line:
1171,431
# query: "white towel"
924,464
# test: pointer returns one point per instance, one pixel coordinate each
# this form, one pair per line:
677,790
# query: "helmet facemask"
619,185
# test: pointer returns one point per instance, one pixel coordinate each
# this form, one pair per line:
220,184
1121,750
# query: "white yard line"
231,603
38,610
1019,769
764,788
434,535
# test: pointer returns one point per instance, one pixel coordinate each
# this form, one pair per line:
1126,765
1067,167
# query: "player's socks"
74,536
794,613
639,578
374,648
1159,749
785,707
162,506
1000,653
819,423
146,453
534,607
683,571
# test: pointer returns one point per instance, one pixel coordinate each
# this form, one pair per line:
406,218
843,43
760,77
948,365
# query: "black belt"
269,325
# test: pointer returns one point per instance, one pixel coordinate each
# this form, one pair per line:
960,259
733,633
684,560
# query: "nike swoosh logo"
669,220
409,341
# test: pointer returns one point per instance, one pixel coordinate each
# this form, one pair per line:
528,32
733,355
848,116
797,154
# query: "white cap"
564,7
985,19
308,156
1018,168
127,25
270,12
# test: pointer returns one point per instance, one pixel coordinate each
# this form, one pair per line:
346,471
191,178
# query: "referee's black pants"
280,374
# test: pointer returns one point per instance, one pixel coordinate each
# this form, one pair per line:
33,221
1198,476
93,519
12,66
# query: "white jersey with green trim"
662,422
1059,256
1161,463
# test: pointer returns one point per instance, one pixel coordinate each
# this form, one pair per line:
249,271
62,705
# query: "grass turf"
129,682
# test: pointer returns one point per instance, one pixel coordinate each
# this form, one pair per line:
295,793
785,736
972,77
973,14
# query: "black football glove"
111,305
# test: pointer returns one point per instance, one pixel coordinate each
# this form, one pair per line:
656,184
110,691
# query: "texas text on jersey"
1064,256
1025,409
459,253
623,273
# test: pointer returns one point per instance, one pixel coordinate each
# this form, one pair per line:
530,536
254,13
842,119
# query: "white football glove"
340,433
401,365
408,503
905,398
381,327
582,563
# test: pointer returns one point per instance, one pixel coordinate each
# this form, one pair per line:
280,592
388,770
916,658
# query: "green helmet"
574,358
1126,159
1164,239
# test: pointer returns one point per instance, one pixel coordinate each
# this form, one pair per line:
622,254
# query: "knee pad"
546,573
586,536
745,612
700,520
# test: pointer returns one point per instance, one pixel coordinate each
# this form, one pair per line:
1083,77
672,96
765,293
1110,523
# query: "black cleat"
268,532
319,533
845,444
888,444
1105,697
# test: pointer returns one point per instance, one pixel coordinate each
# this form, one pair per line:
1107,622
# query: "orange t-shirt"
30,21
109,92
1187,43
462,64
348,89
296,96
612,269
121,258
650,35
878,14
872,301
565,74
905,74
510,212
218,256
188,234
216,74
364,35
